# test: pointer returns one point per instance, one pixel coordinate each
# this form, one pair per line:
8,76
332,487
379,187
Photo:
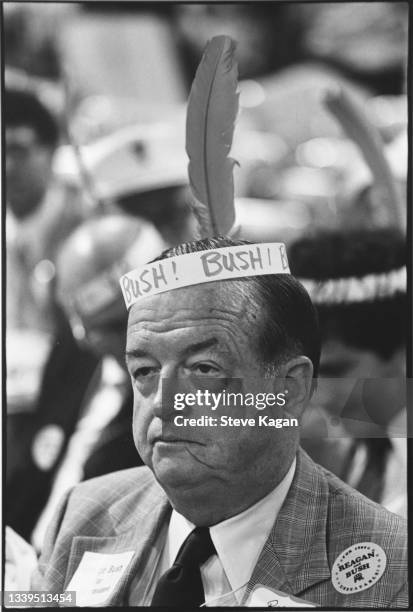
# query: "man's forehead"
191,319
207,300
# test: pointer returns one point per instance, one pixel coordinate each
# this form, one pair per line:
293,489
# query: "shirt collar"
239,539
397,430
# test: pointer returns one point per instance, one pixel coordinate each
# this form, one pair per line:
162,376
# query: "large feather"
366,136
211,115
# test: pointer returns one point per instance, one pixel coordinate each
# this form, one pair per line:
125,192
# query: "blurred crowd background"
96,176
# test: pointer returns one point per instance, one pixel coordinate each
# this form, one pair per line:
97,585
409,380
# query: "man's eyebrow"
135,353
200,346
189,350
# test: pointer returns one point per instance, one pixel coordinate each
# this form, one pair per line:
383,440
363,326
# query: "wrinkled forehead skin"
222,304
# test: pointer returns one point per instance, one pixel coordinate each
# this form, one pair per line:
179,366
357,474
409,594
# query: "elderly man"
227,515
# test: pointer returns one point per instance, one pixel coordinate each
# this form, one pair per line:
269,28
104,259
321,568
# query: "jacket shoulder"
349,507
111,486
106,506
111,503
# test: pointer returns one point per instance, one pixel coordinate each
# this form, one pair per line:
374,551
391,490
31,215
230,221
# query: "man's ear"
298,375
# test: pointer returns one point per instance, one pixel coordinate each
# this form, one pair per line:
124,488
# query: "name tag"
263,597
97,576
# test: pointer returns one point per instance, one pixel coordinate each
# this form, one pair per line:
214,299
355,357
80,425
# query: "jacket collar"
295,554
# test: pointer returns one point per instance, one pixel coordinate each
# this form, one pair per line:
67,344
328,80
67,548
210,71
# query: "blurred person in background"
357,280
41,212
90,295
32,135
37,434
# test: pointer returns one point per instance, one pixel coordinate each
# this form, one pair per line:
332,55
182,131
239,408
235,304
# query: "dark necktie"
182,585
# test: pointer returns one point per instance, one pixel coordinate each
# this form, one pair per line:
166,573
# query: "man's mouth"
174,440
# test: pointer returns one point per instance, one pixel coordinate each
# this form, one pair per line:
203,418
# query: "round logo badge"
358,567
47,445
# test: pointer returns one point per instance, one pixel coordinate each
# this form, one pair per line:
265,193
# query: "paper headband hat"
204,267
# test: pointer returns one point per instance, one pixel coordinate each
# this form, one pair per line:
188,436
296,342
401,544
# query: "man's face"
339,360
357,385
28,169
189,339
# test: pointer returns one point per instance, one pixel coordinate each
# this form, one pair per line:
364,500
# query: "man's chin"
177,469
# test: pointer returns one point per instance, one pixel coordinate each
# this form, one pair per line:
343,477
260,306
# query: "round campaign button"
358,567
47,446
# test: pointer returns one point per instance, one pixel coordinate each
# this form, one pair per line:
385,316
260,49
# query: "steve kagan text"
227,421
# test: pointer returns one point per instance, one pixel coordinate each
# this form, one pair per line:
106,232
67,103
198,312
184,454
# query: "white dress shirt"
238,541
394,494
395,481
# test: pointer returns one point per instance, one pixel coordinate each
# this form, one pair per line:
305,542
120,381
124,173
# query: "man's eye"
144,372
205,369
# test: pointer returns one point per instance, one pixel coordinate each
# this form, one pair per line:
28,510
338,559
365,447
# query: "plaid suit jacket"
320,518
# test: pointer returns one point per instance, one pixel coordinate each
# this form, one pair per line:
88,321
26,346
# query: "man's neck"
204,506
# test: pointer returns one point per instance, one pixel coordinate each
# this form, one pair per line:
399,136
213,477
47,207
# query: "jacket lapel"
141,525
295,554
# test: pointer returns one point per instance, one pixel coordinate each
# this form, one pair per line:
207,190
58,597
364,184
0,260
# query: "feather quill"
211,115
358,128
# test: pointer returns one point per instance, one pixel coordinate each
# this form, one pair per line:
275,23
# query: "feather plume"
363,133
212,111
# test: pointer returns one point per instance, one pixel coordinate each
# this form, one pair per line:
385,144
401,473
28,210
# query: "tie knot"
181,586
197,548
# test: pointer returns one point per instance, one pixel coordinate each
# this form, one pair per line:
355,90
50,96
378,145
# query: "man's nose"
164,399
